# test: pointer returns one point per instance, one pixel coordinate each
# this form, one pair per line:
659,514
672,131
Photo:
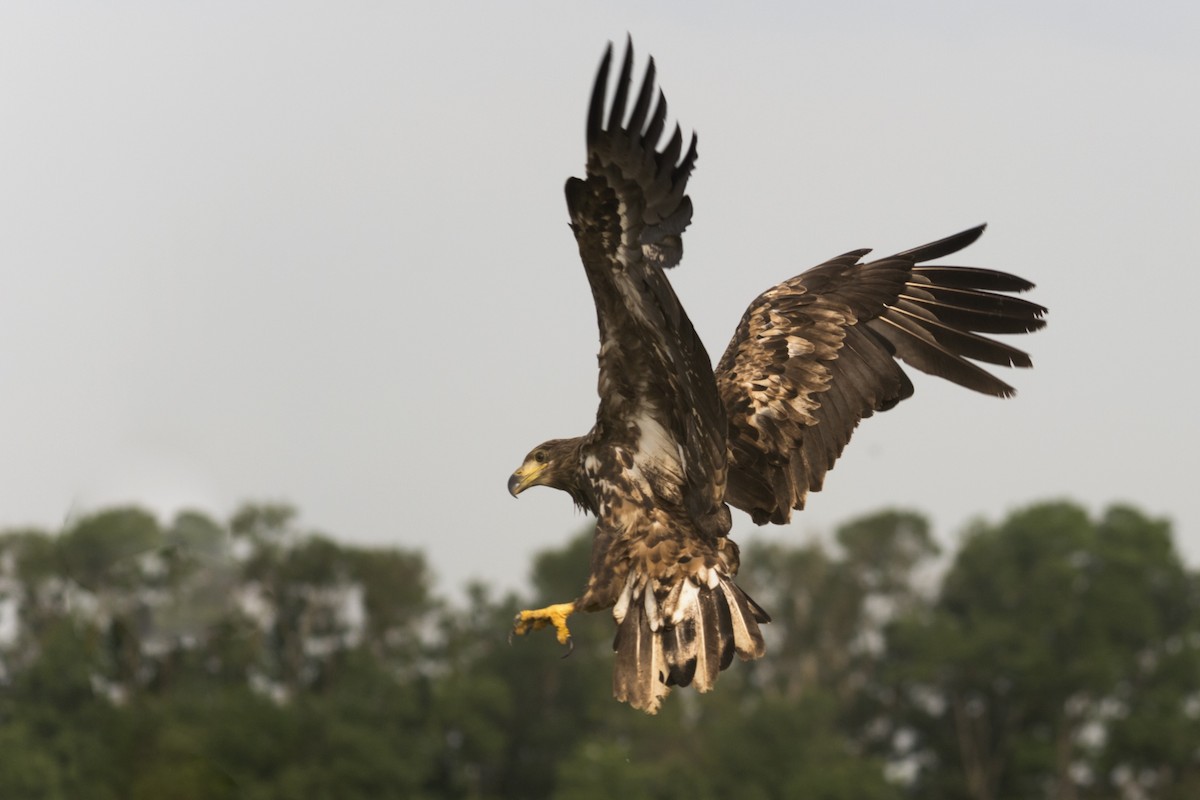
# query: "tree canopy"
1053,654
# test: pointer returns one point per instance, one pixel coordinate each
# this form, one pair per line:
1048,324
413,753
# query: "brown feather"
707,626
674,441
836,330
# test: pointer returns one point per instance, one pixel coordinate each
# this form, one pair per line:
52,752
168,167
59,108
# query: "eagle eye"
540,456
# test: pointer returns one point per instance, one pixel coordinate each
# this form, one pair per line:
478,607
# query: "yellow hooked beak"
525,477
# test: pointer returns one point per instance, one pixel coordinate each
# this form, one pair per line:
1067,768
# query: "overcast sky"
319,252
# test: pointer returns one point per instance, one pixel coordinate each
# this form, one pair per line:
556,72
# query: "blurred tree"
32,553
105,550
789,748
53,705
829,609
27,769
1042,625
199,590
512,712
29,566
112,557
884,550
264,523
263,662
1151,719
396,598
194,542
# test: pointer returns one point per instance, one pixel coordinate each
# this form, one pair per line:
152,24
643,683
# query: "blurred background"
268,257
1056,656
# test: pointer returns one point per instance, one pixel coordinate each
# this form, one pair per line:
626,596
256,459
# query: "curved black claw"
570,648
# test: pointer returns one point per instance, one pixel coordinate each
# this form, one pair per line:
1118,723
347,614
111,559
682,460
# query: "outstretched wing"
816,354
656,379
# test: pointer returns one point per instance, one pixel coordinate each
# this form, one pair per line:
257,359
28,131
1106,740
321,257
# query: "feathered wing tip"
945,246
628,139
681,636
936,322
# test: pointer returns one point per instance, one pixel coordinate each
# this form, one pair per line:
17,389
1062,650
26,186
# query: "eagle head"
554,463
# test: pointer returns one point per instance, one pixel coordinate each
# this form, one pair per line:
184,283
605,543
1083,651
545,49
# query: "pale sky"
318,252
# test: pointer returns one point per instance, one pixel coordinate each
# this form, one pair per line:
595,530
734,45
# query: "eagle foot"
537,619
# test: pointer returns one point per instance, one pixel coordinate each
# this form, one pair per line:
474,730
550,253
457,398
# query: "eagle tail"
680,635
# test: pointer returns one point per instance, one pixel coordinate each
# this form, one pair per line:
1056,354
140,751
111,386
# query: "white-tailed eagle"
676,443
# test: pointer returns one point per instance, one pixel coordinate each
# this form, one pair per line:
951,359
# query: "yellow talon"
537,619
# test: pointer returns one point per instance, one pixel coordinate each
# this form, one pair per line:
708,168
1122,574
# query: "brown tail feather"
684,636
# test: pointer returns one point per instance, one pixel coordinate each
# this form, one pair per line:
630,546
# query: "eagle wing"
628,216
815,354
657,457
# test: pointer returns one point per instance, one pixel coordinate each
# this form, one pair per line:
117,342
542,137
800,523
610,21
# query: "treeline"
1055,655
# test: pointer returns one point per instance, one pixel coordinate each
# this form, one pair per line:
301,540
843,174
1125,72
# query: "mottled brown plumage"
816,354
675,442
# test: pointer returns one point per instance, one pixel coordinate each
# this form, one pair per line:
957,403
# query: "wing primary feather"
616,114
642,105
981,312
689,161
678,179
595,120
987,302
973,278
944,247
918,347
966,343
657,121
670,154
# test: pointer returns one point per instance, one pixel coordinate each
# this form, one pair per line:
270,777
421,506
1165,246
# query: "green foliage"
102,551
28,768
1052,631
1060,657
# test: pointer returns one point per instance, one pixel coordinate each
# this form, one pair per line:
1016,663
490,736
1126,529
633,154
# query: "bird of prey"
676,443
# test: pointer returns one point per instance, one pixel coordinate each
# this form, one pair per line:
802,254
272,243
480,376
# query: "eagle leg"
537,619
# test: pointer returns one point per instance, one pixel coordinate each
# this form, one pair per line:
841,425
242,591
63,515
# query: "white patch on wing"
657,452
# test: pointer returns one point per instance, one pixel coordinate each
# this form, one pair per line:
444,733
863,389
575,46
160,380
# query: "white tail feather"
652,613
684,638
622,604
747,639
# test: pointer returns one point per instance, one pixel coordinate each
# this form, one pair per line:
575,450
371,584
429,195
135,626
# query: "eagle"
677,442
